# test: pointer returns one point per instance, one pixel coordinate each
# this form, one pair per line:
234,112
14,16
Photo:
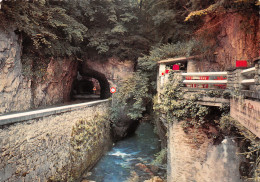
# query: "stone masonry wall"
54,148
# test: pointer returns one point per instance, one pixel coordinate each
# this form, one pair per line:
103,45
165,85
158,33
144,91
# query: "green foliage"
166,18
132,94
112,26
175,106
210,9
160,158
222,6
136,93
73,28
47,30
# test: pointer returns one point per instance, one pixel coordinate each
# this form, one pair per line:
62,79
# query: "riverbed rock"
154,179
123,128
144,168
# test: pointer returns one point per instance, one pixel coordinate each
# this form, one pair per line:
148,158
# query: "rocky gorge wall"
15,90
19,92
234,35
55,148
22,88
114,69
193,157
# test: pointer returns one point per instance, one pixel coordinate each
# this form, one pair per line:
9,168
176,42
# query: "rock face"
238,38
114,69
193,157
58,81
19,93
235,37
15,90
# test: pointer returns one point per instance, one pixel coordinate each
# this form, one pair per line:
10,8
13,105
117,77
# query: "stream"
125,158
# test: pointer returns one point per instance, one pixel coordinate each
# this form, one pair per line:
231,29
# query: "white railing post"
230,79
192,66
257,72
238,79
160,78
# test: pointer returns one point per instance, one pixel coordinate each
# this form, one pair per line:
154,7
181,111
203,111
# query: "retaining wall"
54,148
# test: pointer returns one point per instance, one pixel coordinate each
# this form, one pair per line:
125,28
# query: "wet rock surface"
130,159
193,157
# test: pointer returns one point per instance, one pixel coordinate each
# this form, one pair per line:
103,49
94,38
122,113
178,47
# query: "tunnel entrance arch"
91,82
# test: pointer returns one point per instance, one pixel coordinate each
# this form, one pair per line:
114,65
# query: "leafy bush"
175,106
160,158
47,29
136,93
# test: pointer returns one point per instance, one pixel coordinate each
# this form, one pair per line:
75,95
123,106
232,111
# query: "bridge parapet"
244,81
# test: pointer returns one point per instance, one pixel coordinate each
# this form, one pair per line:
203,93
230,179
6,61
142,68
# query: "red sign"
166,71
162,73
241,63
112,90
175,67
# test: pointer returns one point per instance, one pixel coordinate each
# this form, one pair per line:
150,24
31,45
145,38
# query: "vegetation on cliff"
184,41
66,28
176,38
122,28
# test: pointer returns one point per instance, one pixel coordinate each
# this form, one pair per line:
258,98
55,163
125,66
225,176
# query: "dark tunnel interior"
90,84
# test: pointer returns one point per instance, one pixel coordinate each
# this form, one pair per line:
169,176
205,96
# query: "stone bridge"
242,83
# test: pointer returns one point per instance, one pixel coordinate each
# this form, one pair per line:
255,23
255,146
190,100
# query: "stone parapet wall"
57,148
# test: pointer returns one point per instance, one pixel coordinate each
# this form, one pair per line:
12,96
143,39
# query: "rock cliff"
234,36
114,69
15,89
193,157
19,92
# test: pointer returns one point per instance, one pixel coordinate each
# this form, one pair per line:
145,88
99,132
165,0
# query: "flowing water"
119,163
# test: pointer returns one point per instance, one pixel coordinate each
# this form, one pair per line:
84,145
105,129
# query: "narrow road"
23,116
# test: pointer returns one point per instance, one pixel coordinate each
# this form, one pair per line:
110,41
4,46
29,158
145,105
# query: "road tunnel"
91,85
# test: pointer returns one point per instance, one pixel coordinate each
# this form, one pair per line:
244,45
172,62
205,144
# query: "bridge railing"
244,78
247,81
248,76
205,78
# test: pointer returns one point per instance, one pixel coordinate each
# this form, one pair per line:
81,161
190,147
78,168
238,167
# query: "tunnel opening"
90,85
